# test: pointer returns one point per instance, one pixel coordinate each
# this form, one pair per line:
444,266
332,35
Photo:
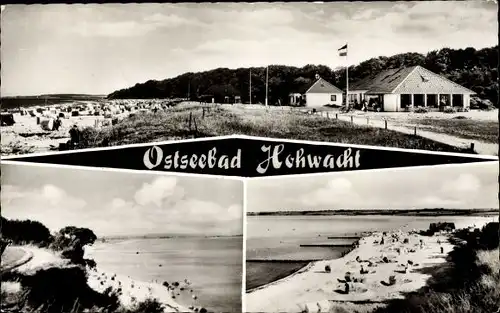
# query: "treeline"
70,240
474,69
409,212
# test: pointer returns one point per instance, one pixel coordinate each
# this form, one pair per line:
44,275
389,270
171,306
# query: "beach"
318,290
211,266
133,291
33,259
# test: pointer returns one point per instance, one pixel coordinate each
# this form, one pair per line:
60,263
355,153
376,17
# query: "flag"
343,51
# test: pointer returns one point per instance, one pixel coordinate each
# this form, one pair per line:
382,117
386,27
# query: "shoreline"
302,269
133,291
312,285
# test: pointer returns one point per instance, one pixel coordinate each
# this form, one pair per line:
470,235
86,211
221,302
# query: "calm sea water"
212,265
279,238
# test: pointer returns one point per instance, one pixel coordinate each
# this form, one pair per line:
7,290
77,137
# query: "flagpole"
250,86
267,81
347,76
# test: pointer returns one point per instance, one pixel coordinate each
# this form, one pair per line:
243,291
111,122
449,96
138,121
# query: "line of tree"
70,240
474,69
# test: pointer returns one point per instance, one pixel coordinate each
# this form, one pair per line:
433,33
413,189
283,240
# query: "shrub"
328,269
421,110
449,110
148,306
56,290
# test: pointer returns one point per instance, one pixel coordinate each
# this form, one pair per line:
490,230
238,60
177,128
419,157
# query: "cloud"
49,204
463,185
335,191
171,20
157,191
451,187
132,26
112,29
161,206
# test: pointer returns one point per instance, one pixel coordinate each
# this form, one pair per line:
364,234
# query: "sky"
99,48
459,187
119,204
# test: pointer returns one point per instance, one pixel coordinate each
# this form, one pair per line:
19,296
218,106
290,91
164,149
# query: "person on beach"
74,133
57,123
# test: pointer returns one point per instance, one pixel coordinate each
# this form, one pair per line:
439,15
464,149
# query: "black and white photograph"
78,240
421,240
413,74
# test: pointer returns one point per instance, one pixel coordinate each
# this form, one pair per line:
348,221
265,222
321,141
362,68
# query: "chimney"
317,76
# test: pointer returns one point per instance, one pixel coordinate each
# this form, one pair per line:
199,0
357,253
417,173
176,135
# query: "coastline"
133,291
312,285
300,270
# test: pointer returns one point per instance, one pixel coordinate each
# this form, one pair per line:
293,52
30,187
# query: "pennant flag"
245,156
343,51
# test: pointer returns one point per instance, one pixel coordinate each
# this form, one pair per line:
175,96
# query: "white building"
399,90
317,95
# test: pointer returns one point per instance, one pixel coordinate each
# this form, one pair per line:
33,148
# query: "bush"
421,110
148,306
92,137
481,104
449,110
56,290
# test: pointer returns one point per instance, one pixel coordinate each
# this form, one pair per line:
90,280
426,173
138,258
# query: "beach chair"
324,306
312,307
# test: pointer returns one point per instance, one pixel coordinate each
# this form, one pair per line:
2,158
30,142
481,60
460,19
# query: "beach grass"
194,121
469,282
486,131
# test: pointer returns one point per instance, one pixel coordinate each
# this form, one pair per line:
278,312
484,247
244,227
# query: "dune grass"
182,123
469,282
486,131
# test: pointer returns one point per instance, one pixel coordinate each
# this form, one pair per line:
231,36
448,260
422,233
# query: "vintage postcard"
417,74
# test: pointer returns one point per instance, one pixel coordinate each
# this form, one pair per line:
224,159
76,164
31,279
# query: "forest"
474,69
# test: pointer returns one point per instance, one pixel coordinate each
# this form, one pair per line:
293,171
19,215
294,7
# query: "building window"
405,100
333,98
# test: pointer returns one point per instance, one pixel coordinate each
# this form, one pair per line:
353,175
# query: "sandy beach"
132,291
25,134
371,264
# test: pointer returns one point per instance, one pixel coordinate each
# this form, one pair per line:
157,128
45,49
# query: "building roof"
415,79
322,86
319,86
384,82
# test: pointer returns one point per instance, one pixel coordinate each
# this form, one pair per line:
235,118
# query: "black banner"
248,157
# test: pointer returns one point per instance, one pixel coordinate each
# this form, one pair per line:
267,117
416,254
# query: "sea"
212,265
274,248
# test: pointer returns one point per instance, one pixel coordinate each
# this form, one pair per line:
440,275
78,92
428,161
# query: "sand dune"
315,290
